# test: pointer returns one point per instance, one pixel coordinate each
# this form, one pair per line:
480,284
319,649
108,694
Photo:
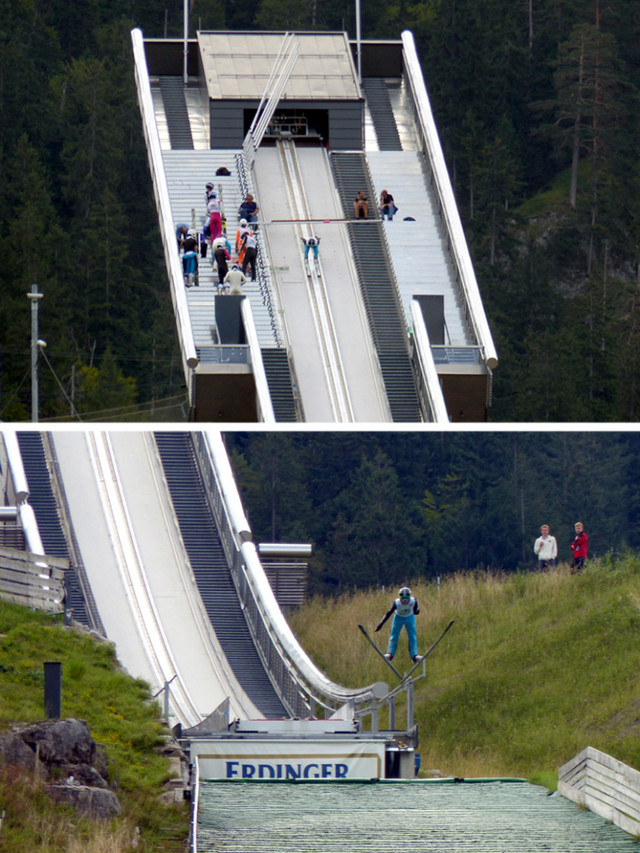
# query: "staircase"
377,284
278,371
211,572
381,112
175,108
43,501
187,173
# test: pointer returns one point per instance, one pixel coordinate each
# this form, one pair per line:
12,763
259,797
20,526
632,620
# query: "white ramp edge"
450,211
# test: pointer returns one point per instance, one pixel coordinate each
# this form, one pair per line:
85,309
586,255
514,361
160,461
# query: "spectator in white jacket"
545,548
234,280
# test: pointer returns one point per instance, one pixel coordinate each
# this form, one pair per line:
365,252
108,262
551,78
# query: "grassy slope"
535,668
120,716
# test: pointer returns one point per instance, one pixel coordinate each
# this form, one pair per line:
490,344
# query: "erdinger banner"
288,760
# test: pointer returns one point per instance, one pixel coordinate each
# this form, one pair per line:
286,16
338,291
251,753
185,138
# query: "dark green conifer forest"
385,508
537,109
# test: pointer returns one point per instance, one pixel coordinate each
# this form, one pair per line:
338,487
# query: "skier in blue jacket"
404,610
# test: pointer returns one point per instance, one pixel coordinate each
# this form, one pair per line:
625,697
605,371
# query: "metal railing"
32,580
224,354
282,68
262,266
443,354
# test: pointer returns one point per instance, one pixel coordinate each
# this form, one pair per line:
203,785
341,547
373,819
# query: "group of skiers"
231,276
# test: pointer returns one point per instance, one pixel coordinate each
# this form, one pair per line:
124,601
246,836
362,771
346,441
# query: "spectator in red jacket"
579,548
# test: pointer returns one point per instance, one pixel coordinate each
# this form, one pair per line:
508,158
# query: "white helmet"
243,222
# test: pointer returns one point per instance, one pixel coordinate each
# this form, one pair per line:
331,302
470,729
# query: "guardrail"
32,580
600,783
426,374
166,223
447,202
264,280
444,354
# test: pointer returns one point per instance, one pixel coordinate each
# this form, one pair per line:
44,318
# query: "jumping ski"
386,660
426,654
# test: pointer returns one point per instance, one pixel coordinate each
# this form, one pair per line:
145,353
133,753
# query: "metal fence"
32,580
603,785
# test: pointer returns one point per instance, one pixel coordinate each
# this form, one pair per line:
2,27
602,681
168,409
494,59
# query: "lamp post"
185,15
34,297
358,41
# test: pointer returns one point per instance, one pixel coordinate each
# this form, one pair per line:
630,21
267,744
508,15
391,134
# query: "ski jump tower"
389,326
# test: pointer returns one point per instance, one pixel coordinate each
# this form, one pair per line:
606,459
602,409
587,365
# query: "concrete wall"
225,393
465,396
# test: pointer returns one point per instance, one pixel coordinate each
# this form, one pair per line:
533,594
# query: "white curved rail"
294,656
14,459
450,213
424,354
265,405
167,225
21,489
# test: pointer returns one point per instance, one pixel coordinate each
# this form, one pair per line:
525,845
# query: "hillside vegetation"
536,106
441,502
536,667
120,715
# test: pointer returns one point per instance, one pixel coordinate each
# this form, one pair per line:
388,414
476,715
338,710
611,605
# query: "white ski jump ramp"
139,572
356,353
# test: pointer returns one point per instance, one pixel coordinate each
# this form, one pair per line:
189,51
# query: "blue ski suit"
404,615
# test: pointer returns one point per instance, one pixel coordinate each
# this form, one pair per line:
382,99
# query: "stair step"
384,122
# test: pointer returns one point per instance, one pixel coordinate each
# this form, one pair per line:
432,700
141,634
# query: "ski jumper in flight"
404,610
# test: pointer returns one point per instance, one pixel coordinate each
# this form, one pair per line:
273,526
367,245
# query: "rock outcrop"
70,762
